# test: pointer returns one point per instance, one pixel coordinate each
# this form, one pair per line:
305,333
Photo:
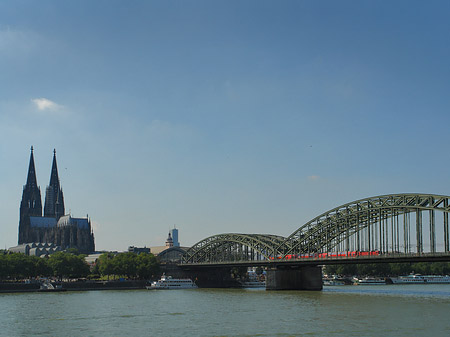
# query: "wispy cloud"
14,42
44,104
314,178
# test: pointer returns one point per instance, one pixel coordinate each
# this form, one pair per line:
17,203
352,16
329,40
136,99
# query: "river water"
384,310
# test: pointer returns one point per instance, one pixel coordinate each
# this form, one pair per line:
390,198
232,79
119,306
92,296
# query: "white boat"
333,282
254,284
167,282
370,281
420,279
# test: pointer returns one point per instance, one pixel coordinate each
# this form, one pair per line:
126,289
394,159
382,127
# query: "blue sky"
221,116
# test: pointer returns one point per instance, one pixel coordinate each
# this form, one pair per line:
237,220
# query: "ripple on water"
348,310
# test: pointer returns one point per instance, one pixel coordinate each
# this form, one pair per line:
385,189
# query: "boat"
420,279
333,282
167,282
370,281
253,284
48,287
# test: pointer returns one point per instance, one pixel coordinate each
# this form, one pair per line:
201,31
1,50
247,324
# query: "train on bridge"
332,254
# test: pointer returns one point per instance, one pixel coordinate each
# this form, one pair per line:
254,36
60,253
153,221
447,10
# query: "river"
385,310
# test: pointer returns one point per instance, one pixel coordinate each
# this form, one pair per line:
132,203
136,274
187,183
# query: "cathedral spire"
31,202
31,178
54,200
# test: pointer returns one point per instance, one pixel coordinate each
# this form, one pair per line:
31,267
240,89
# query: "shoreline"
19,287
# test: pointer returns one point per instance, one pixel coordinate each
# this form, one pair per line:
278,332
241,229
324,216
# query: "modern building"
174,233
55,226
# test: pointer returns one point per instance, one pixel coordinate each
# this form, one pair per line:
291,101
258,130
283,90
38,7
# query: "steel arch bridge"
388,225
234,247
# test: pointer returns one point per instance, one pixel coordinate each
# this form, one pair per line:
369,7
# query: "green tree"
331,269
347,269
3,267
105,264
125,264
68,265
147,266
398,269
41,266
423,268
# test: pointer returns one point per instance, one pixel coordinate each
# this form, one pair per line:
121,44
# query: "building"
55,226
36,249
169,241
171,252
138,250
174,233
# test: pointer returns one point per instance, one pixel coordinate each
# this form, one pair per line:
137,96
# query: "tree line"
142,266
389,269
16,266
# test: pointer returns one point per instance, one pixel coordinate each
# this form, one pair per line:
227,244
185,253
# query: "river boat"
420,279
48,287
254,284
370,281
333,282
167,282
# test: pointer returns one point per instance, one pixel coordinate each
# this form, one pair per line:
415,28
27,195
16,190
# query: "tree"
40,266
347,269
68,265
105,264
147,266
125,264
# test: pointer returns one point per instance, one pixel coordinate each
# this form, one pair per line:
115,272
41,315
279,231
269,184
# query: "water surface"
390,310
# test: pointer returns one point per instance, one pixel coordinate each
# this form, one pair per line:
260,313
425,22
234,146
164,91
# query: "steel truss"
381,223
387,224
233,247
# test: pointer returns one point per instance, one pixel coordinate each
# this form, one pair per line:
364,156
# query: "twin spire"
31,179
54,198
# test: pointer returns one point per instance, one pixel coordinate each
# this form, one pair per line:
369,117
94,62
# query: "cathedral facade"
54,226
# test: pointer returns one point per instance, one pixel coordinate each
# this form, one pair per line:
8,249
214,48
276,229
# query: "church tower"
31,202
54,199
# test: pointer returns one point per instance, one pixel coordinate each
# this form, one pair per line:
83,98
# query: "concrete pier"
218,277
302,278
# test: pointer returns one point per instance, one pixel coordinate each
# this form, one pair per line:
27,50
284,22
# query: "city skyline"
220,117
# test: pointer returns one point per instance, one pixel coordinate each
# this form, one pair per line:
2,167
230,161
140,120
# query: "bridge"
387,228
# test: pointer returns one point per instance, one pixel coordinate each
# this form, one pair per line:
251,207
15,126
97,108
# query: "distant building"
169,241
36,249
55,227
137,250
170,252
173,254
174,233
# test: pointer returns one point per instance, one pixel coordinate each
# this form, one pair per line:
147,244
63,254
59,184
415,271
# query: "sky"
220,116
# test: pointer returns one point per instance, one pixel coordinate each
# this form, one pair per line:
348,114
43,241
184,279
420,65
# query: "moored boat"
333,280
420,279
370,281
167,282
47,286
253,284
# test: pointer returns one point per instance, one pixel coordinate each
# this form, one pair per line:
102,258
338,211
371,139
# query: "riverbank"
20,287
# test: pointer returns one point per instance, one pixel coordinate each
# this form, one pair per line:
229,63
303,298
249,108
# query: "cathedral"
55,226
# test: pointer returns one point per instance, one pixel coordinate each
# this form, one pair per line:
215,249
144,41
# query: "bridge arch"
234,247
389,223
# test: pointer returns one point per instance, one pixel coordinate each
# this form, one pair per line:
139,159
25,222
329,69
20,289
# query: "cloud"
14,42
313,178
44,104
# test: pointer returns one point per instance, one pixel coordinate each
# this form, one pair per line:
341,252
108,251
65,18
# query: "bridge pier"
214,277
302,278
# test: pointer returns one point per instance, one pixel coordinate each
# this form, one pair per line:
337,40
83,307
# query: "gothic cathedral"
55,226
